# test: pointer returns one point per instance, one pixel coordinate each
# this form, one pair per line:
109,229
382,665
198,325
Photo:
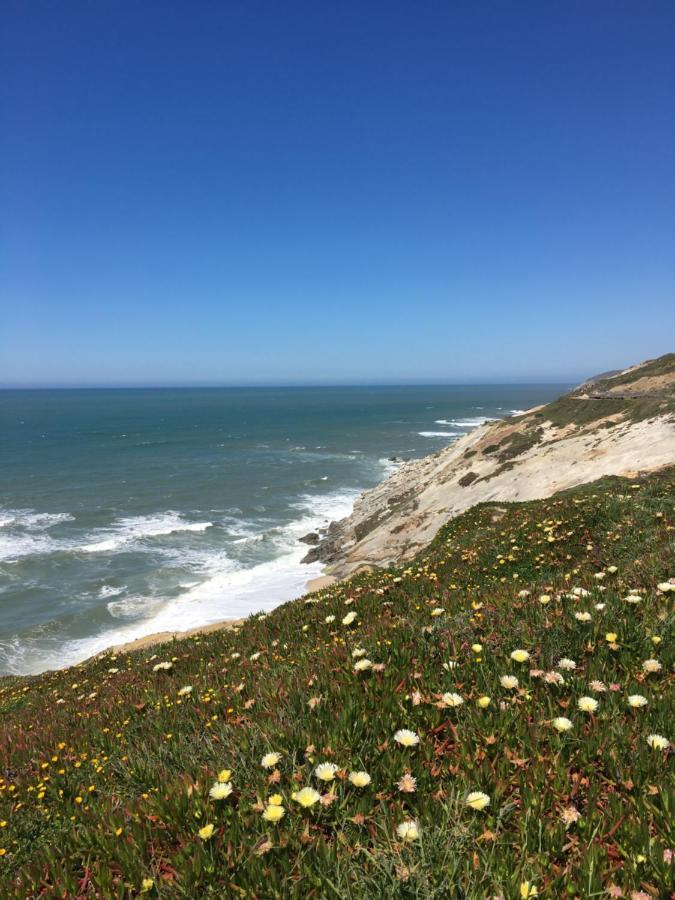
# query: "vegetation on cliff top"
491,720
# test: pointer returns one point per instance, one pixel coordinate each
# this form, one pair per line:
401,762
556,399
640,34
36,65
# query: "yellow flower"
206,832
274,813
275,800
611,637
477,648
359,779
408,831
224,774
306,797
483,702
520,656
477,800
544,599
147,885
528,890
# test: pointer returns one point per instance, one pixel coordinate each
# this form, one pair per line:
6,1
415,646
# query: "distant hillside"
615,424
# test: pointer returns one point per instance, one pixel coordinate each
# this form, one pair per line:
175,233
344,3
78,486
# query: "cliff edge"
618,423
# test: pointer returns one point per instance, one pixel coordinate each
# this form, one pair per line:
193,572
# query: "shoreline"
166,637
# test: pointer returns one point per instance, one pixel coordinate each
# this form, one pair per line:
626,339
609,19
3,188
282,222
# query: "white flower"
406,738
587,704
477,800
306,797
438,611
562,724
163,667
325,771
666,586
363,665
359,779
349,618
520,656
566,663
408,831
220,790
658,742
270,760
329,619
509,682
452,699
358,652
448,666
582,616
651,665
637,700
184,691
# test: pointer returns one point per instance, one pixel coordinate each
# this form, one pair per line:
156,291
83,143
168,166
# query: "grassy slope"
141,760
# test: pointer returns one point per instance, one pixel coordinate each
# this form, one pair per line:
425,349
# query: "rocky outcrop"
626,425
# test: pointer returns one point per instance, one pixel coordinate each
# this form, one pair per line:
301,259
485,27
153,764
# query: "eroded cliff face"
618,424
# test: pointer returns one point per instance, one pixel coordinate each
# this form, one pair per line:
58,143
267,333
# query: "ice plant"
510,682
452,699
562,724
406,738
649,666
520,656
221,790
587,704
270,760
658,742
408,831
359,779
184,691
362,665
326,771
306,797
206,832
477,800
349,618
483,702
637,700
273,813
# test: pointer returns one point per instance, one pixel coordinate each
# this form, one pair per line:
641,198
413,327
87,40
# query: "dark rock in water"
311,538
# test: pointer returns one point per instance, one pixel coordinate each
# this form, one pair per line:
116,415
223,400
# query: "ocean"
127,512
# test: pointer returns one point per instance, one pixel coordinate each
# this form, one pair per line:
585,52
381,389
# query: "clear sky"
282,192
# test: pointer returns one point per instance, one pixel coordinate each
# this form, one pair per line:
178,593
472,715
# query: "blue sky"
262,192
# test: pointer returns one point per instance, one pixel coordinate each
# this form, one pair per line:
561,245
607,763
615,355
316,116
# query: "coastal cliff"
618,423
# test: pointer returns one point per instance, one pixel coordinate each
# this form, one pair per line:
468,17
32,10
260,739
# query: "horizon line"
284,385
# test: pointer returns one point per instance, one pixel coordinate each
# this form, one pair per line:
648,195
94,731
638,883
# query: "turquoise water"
125,512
